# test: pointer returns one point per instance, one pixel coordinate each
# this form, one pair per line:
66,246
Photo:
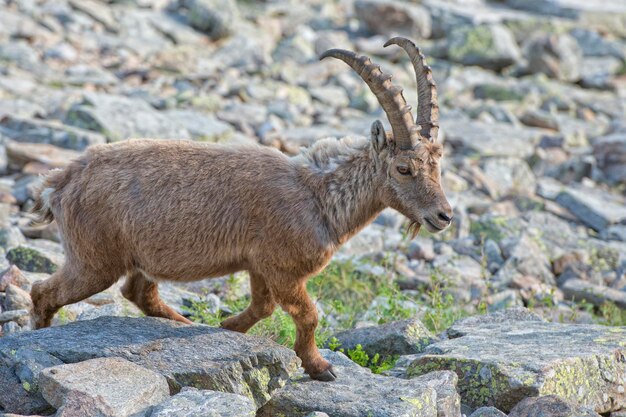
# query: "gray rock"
491,46
422,248
121,386
615,232
557,56
499,363
526,255
510,176
595,45
595,208
610,153
216,18
550,406
10,327
119,118
488,412
512,315
12,315
579,290
20,154
199,356
113,309
357,392
607,16
396,338
191,402
390,18
203,127
485,139
16,298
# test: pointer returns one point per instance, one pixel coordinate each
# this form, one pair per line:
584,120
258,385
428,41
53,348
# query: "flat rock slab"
501,362
198,356
357,392
191,402
122,387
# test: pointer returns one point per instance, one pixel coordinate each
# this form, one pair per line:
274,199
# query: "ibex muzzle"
182,211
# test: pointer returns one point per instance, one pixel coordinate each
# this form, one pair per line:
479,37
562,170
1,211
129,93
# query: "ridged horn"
389,96
427,107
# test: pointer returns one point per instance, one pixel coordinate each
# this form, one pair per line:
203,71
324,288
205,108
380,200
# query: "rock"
33,259
512,315
422,248
557,56
550,406
606,16
488,412
395,338
526,255
122,387
199,356
511,176
579,290
501,362
615,232
216,18
202,127
389,18
12,315
593,44
21,154
610,153
491,46
119,118
593,207
50,132
485,139
16,299
13,276
191,402
10,327
357,392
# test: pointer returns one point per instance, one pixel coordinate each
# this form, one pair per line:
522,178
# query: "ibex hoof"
326,376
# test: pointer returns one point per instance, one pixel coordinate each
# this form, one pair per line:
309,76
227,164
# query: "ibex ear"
379,137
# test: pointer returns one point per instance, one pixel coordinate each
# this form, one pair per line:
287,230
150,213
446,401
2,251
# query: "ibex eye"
404,170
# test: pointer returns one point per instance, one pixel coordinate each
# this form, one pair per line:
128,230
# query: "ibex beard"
183,211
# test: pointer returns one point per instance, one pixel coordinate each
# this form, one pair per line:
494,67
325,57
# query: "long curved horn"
389,96
427,107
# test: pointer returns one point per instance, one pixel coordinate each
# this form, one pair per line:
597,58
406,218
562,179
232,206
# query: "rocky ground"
533,122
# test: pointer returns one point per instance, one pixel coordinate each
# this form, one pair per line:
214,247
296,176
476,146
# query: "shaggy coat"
154,210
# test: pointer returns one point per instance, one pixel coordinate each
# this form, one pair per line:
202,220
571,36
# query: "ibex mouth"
413,229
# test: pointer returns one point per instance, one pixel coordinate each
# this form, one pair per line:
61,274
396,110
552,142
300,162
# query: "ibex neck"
345,184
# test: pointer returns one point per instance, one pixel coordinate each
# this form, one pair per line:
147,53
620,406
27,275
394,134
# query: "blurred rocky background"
533,122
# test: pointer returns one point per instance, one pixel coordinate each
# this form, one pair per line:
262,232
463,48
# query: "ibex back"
182,211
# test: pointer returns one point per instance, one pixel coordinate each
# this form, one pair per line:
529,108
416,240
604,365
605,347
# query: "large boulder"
550,406
199,356
397,338
501,361
357,392
191,402
121,388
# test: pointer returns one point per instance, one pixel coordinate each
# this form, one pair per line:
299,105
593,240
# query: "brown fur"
184,211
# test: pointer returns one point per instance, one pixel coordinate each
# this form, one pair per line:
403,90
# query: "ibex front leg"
295,300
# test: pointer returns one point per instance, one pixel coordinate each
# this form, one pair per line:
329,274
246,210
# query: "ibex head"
410,155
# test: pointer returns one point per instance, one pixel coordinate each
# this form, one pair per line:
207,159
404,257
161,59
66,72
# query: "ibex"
184,211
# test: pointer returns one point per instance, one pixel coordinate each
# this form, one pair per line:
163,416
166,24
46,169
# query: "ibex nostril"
445,217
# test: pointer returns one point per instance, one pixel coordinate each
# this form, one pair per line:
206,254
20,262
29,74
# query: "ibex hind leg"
68,285
261,306
145,295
